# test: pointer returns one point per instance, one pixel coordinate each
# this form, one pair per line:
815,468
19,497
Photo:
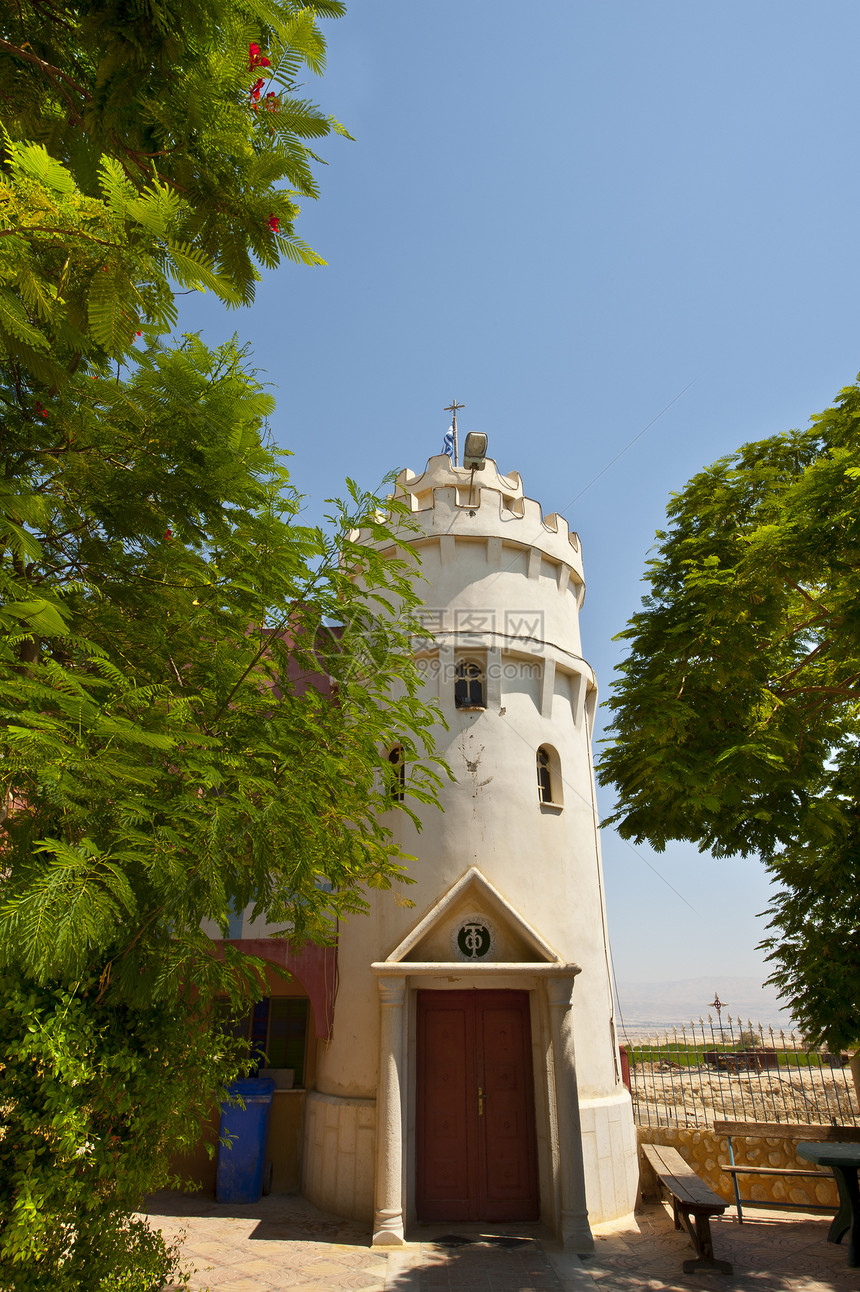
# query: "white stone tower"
473,1069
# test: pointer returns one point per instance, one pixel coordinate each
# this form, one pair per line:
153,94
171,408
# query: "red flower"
274,224
255,58
40,411
255,92
272,102
168,534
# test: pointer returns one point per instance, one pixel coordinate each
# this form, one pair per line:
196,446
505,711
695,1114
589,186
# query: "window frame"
544,775
470,672
549,775
248,1027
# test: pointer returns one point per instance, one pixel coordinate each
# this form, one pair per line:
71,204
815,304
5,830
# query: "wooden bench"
693,1204
779,1130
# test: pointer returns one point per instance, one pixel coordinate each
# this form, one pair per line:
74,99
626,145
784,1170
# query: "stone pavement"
285,1243
779,1250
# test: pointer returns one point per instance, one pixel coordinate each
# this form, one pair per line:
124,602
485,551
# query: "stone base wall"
339,1154
704,1151
609,1157
340,1149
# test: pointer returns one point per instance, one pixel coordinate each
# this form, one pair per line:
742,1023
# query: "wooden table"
844,1162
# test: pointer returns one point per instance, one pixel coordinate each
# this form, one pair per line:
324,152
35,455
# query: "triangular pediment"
474,923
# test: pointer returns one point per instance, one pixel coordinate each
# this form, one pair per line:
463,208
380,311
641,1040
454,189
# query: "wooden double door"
475,1134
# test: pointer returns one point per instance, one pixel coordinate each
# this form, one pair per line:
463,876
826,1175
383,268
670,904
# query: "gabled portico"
474,940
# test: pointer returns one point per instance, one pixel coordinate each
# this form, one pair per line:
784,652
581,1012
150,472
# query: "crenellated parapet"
440,472
445,499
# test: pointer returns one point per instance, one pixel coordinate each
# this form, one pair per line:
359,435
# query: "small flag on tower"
448,442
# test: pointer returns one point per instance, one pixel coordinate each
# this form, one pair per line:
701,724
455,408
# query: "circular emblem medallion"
474,938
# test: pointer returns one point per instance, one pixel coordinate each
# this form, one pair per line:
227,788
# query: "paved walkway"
283,1243
775,1250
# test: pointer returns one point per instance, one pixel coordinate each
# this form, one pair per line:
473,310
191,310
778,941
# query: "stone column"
388,1203
575,1232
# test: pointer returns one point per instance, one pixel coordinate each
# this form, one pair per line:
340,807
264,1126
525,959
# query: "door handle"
481,1098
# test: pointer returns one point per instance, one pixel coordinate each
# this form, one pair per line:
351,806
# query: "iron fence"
728,1070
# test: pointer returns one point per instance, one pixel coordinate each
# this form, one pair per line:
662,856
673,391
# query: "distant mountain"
647,1005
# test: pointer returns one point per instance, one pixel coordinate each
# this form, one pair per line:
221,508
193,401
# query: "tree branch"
806,595
47,68
844,690
66,233
808,659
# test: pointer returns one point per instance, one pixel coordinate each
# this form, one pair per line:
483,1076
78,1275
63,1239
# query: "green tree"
80,1122
165,762
162,610
159,595
178,143
735,713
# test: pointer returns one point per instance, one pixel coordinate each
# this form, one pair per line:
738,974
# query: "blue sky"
566,214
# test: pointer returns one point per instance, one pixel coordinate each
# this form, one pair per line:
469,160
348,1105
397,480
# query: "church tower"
473,1069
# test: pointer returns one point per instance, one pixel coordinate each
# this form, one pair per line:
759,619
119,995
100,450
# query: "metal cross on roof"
452,409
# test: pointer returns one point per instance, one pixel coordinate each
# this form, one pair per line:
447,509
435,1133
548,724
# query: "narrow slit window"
397,789
544,776
469,686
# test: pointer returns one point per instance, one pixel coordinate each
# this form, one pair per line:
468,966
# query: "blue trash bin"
240,1168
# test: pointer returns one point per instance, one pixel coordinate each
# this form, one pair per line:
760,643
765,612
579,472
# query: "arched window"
469,686
549,777
544,776
397,790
